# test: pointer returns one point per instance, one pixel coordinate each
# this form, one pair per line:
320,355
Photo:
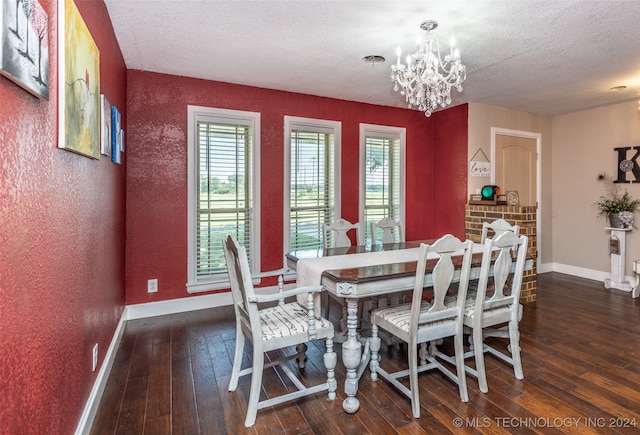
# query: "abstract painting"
24,45
105,117
79,84
116,137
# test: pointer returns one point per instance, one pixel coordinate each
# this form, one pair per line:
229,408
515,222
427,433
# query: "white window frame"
195,114
388,132
309,124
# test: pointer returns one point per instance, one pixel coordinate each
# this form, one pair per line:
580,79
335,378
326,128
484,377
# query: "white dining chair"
489,230
391,231
426,319
497,227
273,327
495,311
336,234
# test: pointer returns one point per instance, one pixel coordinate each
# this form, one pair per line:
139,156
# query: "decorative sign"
627,166
614,245
479,168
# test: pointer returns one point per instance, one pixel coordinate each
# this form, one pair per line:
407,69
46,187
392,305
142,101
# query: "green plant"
616,204
613,201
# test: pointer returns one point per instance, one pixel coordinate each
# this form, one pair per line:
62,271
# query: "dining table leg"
351,358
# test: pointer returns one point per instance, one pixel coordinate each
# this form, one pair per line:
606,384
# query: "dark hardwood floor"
580,350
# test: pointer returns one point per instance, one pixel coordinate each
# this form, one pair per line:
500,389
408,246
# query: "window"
223,159
312,180
382,181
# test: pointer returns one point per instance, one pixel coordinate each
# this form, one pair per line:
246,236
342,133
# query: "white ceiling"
541,56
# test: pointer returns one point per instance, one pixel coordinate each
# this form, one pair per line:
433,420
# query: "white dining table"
360,272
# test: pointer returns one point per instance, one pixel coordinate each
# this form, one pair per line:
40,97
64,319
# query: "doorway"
515,166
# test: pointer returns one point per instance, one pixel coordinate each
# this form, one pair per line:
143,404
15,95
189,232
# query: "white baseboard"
91,407
191,303
139,311
596,275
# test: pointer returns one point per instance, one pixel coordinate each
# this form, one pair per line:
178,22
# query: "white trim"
192,303
171,306
220,115
140,311
311,124
387,132
581,272
538,138
91,407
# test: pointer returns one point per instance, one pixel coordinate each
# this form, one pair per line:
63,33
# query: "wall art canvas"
24,45
79,84
116,137
105,125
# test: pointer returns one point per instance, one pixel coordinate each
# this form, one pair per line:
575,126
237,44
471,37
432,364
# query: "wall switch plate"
152,285
95,357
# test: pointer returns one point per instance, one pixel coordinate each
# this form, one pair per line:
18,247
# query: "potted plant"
619,208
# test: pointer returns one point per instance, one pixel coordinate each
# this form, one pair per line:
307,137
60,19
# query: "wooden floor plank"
579,351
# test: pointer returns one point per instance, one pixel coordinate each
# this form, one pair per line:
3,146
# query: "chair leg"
478,351
302,354
424,353
462,379
330,361
256,385
374,345
514,338
413,379
237,359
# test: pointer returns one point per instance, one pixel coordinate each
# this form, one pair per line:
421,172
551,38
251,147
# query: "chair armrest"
285,294
270,273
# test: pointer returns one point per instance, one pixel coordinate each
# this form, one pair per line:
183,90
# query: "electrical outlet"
95,357
152,285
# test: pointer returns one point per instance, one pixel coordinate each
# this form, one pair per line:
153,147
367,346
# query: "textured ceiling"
546,57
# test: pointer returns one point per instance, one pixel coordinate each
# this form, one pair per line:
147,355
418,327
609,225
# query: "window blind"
382,180
224,198
312,179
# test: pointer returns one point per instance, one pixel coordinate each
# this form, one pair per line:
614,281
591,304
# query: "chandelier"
427,78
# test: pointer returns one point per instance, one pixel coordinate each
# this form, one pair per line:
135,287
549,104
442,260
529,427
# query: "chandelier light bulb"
426,79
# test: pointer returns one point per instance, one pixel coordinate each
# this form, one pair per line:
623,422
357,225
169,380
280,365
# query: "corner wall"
61,247
156,240
481,119
583,147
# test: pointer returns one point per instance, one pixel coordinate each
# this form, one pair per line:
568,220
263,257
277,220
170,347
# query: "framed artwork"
116,137
24,45
105,126
79,84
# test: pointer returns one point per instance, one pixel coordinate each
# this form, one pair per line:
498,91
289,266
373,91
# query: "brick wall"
525,218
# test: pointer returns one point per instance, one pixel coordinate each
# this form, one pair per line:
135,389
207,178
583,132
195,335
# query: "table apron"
389,285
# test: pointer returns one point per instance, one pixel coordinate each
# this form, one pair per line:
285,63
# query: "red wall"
156,241
450,169
61,248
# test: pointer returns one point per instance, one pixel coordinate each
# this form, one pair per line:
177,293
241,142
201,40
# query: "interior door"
516,166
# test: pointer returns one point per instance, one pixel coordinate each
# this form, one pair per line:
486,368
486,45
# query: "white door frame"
495,131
